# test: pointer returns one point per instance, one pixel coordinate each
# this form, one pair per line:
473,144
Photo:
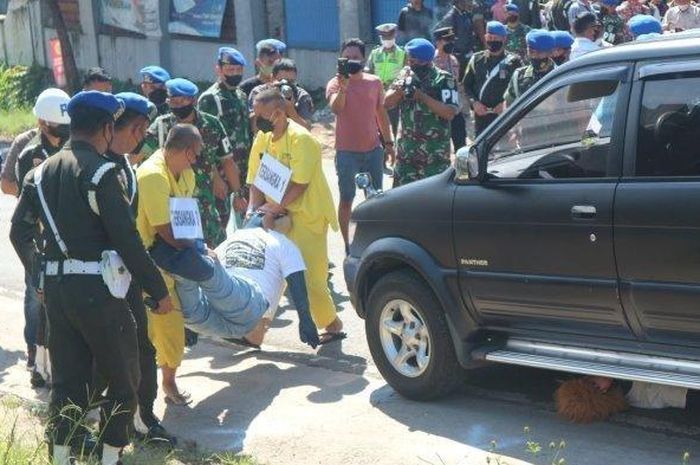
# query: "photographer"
357,99
300,105
428,100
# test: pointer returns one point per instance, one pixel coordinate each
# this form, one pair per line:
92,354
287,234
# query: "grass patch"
13,122
22,443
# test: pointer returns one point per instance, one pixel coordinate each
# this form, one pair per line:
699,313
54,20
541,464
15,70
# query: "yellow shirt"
156,184
299,151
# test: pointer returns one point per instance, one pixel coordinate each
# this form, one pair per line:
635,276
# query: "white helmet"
52,106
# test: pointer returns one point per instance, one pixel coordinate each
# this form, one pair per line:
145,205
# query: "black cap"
97,74
444,33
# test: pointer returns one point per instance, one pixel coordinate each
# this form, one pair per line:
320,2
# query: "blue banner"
201,18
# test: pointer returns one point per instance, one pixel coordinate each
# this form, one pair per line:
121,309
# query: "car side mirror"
467,163
364,182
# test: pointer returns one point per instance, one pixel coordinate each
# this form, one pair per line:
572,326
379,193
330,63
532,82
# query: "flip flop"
331,337
241,341
181,399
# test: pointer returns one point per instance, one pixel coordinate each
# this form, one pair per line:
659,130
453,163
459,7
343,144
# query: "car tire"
386,308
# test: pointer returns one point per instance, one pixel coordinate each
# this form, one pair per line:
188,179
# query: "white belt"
72,266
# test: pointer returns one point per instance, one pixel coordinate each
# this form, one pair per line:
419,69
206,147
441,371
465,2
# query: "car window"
668,139
567,135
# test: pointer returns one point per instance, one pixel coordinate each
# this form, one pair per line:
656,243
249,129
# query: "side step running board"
620,365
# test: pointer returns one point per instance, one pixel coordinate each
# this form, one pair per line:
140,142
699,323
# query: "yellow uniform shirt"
156,185
299,151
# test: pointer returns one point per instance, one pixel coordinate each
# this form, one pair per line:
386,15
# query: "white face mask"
388,43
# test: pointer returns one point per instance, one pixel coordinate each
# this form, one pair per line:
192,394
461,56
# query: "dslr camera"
410,84
344,67
288,90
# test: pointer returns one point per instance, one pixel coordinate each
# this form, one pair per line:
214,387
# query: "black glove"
307,331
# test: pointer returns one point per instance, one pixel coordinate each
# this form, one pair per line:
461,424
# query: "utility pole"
71,69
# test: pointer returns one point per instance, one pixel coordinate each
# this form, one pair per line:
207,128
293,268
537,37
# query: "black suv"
567,237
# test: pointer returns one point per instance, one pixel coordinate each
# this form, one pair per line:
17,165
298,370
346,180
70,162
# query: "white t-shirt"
264,257
581,46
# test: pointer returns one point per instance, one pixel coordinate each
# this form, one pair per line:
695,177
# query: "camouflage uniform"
231,107
516,41
522,79
215,149
613,29
423,148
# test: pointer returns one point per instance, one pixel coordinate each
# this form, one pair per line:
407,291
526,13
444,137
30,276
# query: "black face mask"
138,147
158,96
494,46
449,47
233,81
183,112
561,59
540,64
265,125
355,66
512,19
421,70
62,131
110,139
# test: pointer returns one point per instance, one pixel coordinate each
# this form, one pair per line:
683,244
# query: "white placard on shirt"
272,178
185,218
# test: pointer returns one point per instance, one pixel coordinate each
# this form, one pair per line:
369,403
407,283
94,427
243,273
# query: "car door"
534,239
657,208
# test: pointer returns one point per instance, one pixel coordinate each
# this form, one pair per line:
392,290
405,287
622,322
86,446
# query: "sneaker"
37,381
158,435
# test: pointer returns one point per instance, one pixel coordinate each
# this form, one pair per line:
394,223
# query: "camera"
410,84
344,67
287,89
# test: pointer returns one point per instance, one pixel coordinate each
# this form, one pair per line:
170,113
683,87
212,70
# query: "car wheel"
408,338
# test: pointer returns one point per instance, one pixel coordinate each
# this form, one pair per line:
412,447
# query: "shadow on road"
229,411
497,403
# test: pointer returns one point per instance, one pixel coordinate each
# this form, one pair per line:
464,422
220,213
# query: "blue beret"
539,40
420,49
231,56
154,74
180,87
650,36
644,24
137,103
610,2
278,44
562,39
96,100
512,7
496,28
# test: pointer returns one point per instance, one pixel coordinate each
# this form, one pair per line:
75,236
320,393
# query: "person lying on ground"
234,291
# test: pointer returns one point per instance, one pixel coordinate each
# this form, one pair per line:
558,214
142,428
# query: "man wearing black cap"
444,39
487,76
97,79
91,246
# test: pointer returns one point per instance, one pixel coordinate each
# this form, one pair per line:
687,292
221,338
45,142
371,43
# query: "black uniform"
523,78
38,150
86,199
148,385
486,79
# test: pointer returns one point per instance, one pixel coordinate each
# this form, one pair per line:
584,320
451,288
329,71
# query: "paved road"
291,405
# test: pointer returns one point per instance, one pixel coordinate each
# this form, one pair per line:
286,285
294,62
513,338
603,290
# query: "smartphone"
343,67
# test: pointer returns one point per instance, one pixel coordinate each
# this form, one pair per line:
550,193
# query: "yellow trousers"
167,332
314,249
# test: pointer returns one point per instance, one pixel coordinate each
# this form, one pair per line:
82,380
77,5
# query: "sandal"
327,337
181,399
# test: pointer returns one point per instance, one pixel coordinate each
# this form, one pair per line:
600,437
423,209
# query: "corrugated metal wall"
312,24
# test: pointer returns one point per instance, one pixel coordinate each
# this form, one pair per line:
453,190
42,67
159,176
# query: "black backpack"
559,15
